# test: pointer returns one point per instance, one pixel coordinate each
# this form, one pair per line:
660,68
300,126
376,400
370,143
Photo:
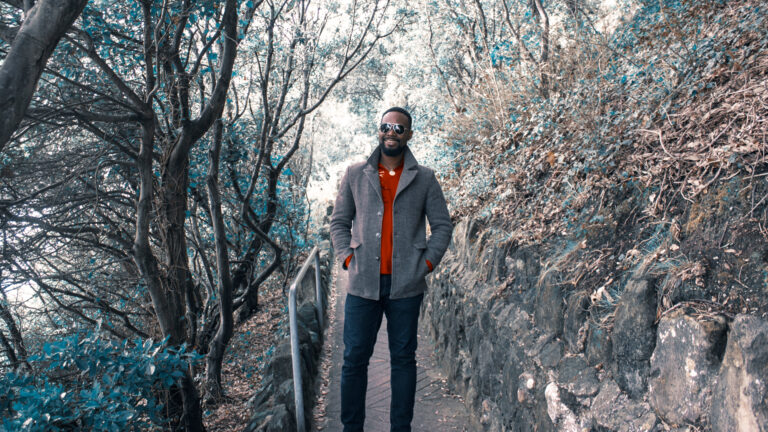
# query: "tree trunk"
38,36
544,65
173,211
167,306
166,302
221,340
192,420
18,353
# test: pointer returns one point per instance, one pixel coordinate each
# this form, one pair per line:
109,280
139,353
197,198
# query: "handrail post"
318,291
298,394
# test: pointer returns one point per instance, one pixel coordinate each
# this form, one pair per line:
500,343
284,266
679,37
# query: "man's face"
390,142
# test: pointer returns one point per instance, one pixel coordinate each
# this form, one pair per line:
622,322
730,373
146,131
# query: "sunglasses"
386,127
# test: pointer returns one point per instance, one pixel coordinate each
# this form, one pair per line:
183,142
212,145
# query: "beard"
391,152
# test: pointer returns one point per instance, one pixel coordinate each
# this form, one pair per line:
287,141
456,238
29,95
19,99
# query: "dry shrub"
636,135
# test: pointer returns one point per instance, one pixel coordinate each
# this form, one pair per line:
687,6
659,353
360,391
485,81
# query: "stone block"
262,398
549,305
498,271
740,399
550,354
281,420
575,375
634,336
575,322
612,410
488,370
599,348
683,366
307,314
560,413
280,366
284,393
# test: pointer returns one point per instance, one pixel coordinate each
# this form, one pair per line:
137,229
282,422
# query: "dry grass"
640,170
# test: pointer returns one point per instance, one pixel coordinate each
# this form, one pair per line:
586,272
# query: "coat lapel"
410,169
371,171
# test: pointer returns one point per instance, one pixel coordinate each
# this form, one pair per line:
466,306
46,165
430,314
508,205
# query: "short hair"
401,111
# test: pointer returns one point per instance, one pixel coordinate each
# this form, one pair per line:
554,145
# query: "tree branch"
33,45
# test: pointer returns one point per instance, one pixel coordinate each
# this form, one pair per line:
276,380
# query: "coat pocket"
356,250
421,265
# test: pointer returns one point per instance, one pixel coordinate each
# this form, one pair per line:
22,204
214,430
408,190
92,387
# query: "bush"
87,382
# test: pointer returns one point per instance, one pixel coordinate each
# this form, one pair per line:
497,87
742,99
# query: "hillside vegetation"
609,267
649,151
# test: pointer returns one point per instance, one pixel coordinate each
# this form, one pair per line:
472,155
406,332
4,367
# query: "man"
378,229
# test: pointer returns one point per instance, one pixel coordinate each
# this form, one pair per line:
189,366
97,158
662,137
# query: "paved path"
436,408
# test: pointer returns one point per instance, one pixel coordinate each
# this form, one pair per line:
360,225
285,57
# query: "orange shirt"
388,192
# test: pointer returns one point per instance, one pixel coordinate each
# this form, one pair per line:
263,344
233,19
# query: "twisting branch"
33,45
219,343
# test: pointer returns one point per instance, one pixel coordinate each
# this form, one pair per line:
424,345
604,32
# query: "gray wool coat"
356,227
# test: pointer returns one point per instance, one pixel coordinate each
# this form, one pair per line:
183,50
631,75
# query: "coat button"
377,258
378,235
379,213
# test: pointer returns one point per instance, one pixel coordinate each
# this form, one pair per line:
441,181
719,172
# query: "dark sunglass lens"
386,127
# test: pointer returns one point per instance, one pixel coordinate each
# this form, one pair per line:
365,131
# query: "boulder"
487,368
575,322
284,394
264,397
276,420
560,414
599,349
575,375
634,336
740,399
280,367
613,411
549,305
683,366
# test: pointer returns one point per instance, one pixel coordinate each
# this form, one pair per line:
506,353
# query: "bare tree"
285,94
110,226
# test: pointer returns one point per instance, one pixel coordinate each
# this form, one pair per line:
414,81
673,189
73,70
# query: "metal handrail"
298,394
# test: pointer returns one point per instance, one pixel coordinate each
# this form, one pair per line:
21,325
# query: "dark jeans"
362,319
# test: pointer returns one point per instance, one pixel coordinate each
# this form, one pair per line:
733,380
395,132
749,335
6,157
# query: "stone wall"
273,406
527,353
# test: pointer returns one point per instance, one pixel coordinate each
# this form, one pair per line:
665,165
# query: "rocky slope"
530,351
609,270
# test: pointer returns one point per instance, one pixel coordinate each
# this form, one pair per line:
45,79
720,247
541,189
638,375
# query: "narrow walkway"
436,408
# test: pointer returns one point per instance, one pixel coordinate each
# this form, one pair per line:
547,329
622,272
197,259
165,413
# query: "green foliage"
87,382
